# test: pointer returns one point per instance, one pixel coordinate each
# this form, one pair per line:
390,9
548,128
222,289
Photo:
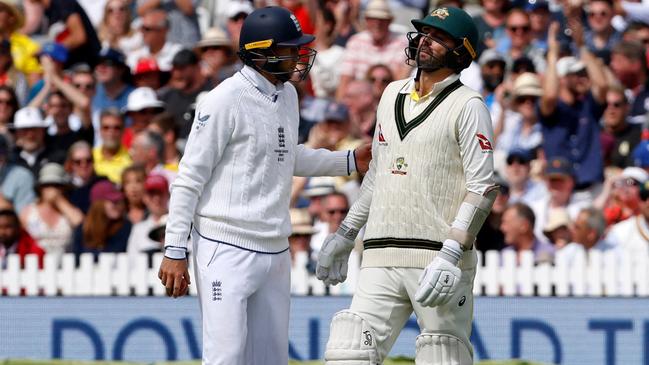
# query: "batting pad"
441,349
351,341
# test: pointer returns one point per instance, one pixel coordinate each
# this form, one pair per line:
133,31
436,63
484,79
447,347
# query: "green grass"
393,361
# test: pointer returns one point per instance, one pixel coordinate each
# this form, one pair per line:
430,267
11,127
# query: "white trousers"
385,297
244,298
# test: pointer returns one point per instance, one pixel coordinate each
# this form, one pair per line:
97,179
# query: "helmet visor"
294,66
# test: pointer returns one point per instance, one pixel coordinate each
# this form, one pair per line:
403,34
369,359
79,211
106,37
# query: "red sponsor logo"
485,145
381,138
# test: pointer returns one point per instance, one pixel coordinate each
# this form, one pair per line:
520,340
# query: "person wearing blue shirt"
113,78
573,101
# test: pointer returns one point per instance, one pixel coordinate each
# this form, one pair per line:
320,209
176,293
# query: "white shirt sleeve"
358,213
476,138
636,11
213,128
322,162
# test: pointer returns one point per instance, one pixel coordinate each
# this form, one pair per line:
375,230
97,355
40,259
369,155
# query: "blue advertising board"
551,330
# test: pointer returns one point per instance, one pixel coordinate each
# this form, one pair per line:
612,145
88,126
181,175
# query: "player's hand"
333,258
363,156
174,275
441,278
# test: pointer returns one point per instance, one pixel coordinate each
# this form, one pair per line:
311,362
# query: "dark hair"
166,122
14,99
631,50
185,57
10,213
59,94
525,212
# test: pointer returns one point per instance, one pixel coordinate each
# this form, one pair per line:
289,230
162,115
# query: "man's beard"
430,64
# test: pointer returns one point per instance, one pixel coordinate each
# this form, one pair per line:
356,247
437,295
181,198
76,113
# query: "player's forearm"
182,206
357,216
322,162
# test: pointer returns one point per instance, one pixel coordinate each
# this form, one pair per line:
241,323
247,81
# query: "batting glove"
334,255
439,281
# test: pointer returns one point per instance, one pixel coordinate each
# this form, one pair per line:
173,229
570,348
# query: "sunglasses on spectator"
340,210
151,29
628,182
381,80
149,111
602,14
517,160
115,9
111,127
615,104
525,99
238,17
6,101
82,161
84,86
515,28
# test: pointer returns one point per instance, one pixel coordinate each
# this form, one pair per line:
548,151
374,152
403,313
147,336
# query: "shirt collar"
410,88
261,83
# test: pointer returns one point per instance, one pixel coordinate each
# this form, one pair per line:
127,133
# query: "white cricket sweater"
421,173
235,176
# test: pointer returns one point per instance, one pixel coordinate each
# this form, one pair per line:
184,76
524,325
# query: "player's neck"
428,79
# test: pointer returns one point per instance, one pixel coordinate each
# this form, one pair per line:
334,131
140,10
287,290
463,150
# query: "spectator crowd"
97,99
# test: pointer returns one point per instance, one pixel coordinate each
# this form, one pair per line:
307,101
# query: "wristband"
175,253
347,232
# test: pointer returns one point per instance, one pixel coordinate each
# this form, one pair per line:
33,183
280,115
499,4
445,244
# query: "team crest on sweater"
399,166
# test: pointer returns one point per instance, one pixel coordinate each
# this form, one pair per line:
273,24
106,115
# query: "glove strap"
347,232
451,251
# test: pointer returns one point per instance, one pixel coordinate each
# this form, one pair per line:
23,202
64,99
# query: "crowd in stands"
97,99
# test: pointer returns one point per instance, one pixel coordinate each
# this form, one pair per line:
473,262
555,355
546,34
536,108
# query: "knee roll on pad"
441,349
351,341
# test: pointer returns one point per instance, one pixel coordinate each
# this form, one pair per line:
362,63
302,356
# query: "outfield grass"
393,361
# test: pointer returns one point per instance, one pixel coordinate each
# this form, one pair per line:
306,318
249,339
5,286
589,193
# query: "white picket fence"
498,274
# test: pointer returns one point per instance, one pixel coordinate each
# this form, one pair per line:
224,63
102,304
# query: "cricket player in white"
233,185
426,195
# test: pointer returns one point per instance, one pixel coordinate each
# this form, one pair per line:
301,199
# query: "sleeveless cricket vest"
419,182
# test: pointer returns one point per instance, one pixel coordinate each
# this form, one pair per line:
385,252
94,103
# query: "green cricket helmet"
456,23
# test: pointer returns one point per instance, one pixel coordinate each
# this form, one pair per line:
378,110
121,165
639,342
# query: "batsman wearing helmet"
427,193
233,187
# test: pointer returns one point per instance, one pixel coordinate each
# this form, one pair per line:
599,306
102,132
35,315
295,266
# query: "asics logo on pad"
368,338
462,300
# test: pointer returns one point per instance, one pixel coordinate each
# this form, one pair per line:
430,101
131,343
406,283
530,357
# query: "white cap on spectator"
636,173
558,218
236,7
491,55
569,65
214,37
319,186
143,98
28,117
527,84
301,222
378,9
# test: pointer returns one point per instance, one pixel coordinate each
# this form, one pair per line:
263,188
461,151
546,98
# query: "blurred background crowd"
97,98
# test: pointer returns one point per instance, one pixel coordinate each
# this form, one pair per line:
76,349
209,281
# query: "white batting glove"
439,281
334,255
